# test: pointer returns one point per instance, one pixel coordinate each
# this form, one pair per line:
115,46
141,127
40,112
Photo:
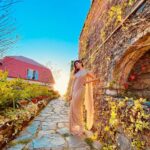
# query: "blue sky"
49,33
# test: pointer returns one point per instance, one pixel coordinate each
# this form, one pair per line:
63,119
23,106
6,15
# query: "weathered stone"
42,133
83,148
123,142
116,49
48,126
47,132
33,127
24,137
63,131
97,145
17,147
59,148
89,133
48,141
61,125
111,92
38,118
75,142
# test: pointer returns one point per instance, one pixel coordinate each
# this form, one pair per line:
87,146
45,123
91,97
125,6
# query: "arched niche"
128,63
139,77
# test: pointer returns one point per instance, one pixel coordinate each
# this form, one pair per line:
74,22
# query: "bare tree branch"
7,26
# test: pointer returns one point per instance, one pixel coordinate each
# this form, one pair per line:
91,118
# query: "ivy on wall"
125,116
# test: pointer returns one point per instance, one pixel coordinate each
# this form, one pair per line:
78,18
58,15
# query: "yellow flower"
106,128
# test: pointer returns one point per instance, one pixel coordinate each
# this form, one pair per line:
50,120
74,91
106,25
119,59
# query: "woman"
81,93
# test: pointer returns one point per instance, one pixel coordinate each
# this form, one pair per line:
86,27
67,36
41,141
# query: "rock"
88,133
42,133
111,92
48,126
122,142
83,148
63,131
17,147
62,124
97,145
49,131
24,137
48,141
33,127
75,142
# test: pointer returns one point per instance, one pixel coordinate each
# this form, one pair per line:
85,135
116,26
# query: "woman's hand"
70,97
94,80
91,75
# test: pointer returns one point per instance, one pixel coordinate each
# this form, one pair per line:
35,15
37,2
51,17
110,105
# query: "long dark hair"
75,68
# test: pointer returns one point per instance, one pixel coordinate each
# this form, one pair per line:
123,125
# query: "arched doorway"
139,78
129,73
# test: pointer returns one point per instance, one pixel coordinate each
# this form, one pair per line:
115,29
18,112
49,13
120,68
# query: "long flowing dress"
81,95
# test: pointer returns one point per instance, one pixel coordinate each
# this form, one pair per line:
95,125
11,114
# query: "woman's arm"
96,79
92,76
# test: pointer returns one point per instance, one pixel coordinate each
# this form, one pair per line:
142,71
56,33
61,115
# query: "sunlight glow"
61,83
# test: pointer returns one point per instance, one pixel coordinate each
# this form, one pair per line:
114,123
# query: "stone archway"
139,77
126,63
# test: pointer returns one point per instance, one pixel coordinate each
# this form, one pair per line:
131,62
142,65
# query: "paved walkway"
49,131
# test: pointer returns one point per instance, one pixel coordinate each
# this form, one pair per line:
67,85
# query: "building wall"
0,67
17,68
116,34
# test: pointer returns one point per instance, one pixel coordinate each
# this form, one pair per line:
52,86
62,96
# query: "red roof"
27,60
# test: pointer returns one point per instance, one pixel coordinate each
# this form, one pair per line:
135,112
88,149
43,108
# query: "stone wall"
139,78
116,34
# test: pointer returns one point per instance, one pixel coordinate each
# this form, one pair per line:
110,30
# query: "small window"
32,74
29,74
36,75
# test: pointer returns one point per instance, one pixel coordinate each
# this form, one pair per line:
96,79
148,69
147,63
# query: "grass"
24,141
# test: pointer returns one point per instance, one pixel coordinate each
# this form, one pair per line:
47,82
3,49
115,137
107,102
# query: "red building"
26,68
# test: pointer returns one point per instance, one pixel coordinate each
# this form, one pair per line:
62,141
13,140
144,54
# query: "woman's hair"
75,68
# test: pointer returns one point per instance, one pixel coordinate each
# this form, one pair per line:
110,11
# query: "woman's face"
78,65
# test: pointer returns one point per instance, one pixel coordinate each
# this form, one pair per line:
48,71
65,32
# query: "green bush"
13,91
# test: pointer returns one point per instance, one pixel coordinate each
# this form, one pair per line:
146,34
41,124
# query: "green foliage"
3,75
14,114
16,92
23,141
13,91
130,3
127,116
103,35
109,147
138,144
117,12
89,141
114,18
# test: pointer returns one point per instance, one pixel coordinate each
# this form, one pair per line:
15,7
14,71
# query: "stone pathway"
49,131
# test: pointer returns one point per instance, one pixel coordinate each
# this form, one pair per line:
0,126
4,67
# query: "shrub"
13,91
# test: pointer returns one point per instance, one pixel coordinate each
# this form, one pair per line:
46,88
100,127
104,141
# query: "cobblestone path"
49,131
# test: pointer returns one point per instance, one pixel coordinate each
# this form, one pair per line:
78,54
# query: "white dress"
81,95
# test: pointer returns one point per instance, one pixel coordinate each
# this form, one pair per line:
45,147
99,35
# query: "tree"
7,26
